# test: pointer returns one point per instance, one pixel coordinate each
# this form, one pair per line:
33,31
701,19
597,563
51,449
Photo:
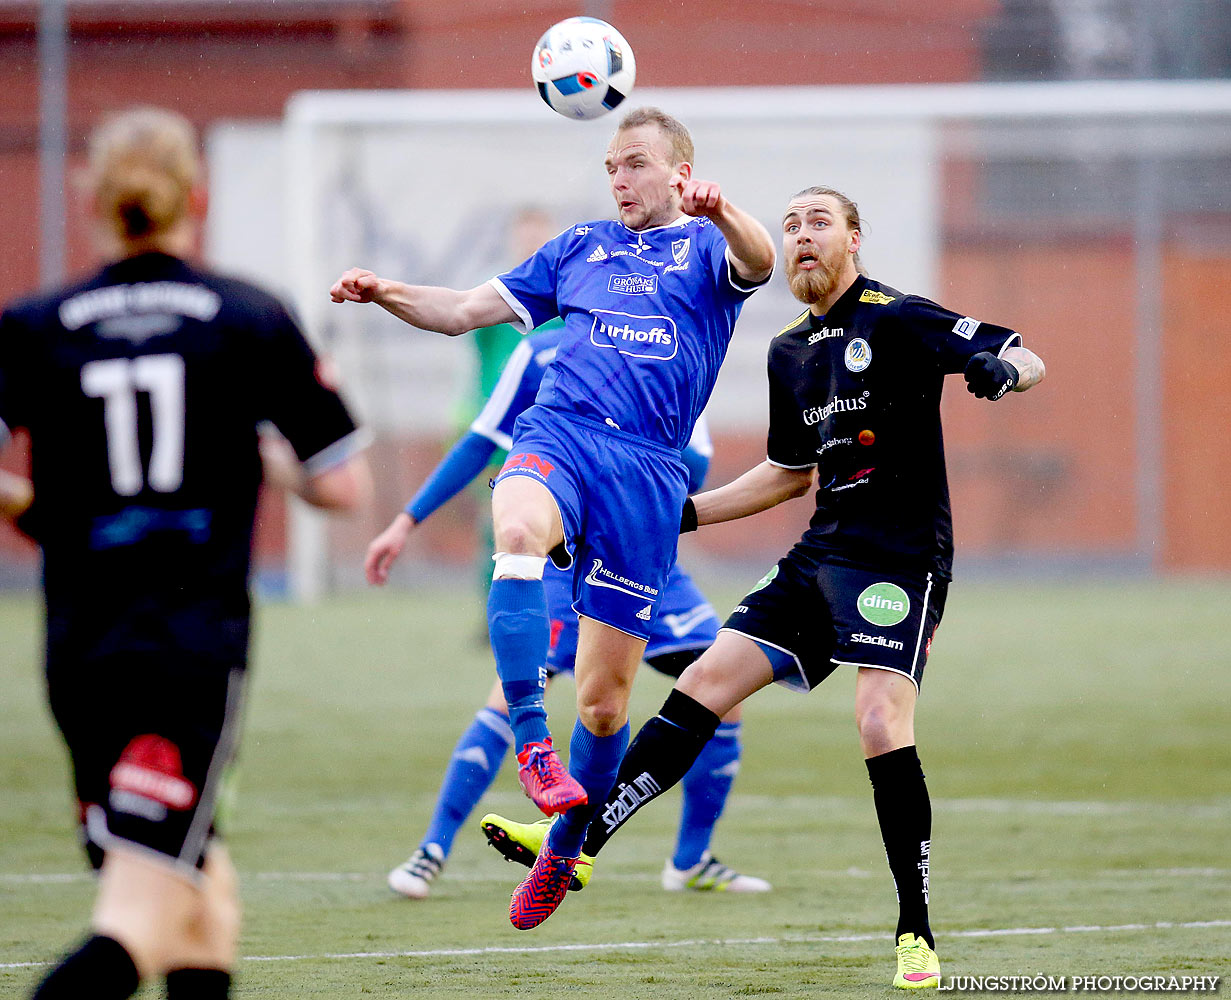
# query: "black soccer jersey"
857,394
142,389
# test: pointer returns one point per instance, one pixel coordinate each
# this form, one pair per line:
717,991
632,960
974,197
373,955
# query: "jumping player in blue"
594,477
855,386
686,625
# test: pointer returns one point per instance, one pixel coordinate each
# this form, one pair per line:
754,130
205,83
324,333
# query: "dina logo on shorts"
884,604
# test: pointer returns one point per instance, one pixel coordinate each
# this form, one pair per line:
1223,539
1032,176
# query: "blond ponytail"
143,165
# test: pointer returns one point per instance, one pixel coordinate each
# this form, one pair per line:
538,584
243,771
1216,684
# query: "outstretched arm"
761,487
465,460
748,242
429,307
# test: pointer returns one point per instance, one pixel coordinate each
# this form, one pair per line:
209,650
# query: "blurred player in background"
854,405
686,625
594,477
141,389
529,228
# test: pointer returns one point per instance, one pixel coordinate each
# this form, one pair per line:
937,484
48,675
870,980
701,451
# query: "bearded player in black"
854,390
141,389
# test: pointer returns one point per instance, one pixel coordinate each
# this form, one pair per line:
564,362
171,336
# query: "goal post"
953,181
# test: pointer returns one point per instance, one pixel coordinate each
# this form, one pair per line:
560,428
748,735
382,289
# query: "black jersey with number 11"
857,394
142,389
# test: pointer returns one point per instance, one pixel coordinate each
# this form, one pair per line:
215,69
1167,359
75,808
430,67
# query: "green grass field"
1075,739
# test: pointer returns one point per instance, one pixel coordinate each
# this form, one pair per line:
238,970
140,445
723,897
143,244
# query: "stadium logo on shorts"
877,640
883,604
858,355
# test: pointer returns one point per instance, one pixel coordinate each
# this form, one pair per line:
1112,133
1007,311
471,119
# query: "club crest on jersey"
858,355
679,249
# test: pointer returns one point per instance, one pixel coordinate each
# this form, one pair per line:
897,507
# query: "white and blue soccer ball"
583,68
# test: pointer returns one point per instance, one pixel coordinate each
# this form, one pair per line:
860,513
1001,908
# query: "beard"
814,285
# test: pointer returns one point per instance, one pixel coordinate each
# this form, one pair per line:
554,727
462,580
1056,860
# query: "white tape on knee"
510,566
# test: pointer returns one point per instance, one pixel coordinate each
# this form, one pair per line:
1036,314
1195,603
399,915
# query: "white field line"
72,878
1216,809
709,943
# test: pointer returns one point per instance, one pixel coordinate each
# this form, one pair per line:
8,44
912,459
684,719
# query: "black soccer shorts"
811,616
150,743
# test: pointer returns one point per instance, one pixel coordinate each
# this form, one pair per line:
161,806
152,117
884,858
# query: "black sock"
198,984
905,814
660,756
100,969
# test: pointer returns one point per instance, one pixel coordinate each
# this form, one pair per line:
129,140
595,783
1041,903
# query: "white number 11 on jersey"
116,382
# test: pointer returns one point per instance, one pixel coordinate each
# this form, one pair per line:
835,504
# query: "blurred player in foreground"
686,625
594,477
854,406
141,389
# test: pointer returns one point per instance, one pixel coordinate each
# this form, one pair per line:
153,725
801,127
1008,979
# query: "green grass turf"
1074,737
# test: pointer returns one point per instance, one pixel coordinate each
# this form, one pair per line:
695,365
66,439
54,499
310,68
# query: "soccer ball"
583,67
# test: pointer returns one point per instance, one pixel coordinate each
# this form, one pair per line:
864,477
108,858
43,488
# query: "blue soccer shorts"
686,621
619,499
810,616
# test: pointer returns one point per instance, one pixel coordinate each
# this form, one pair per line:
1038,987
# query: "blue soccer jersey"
519,385
648,316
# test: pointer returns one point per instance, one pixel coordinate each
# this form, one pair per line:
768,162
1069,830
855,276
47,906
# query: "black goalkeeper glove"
688,517
989,377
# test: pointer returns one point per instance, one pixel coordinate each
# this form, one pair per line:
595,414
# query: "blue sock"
594,761
472,768
706,786
517,623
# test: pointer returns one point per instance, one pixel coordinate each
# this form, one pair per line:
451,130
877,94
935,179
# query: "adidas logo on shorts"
644,613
